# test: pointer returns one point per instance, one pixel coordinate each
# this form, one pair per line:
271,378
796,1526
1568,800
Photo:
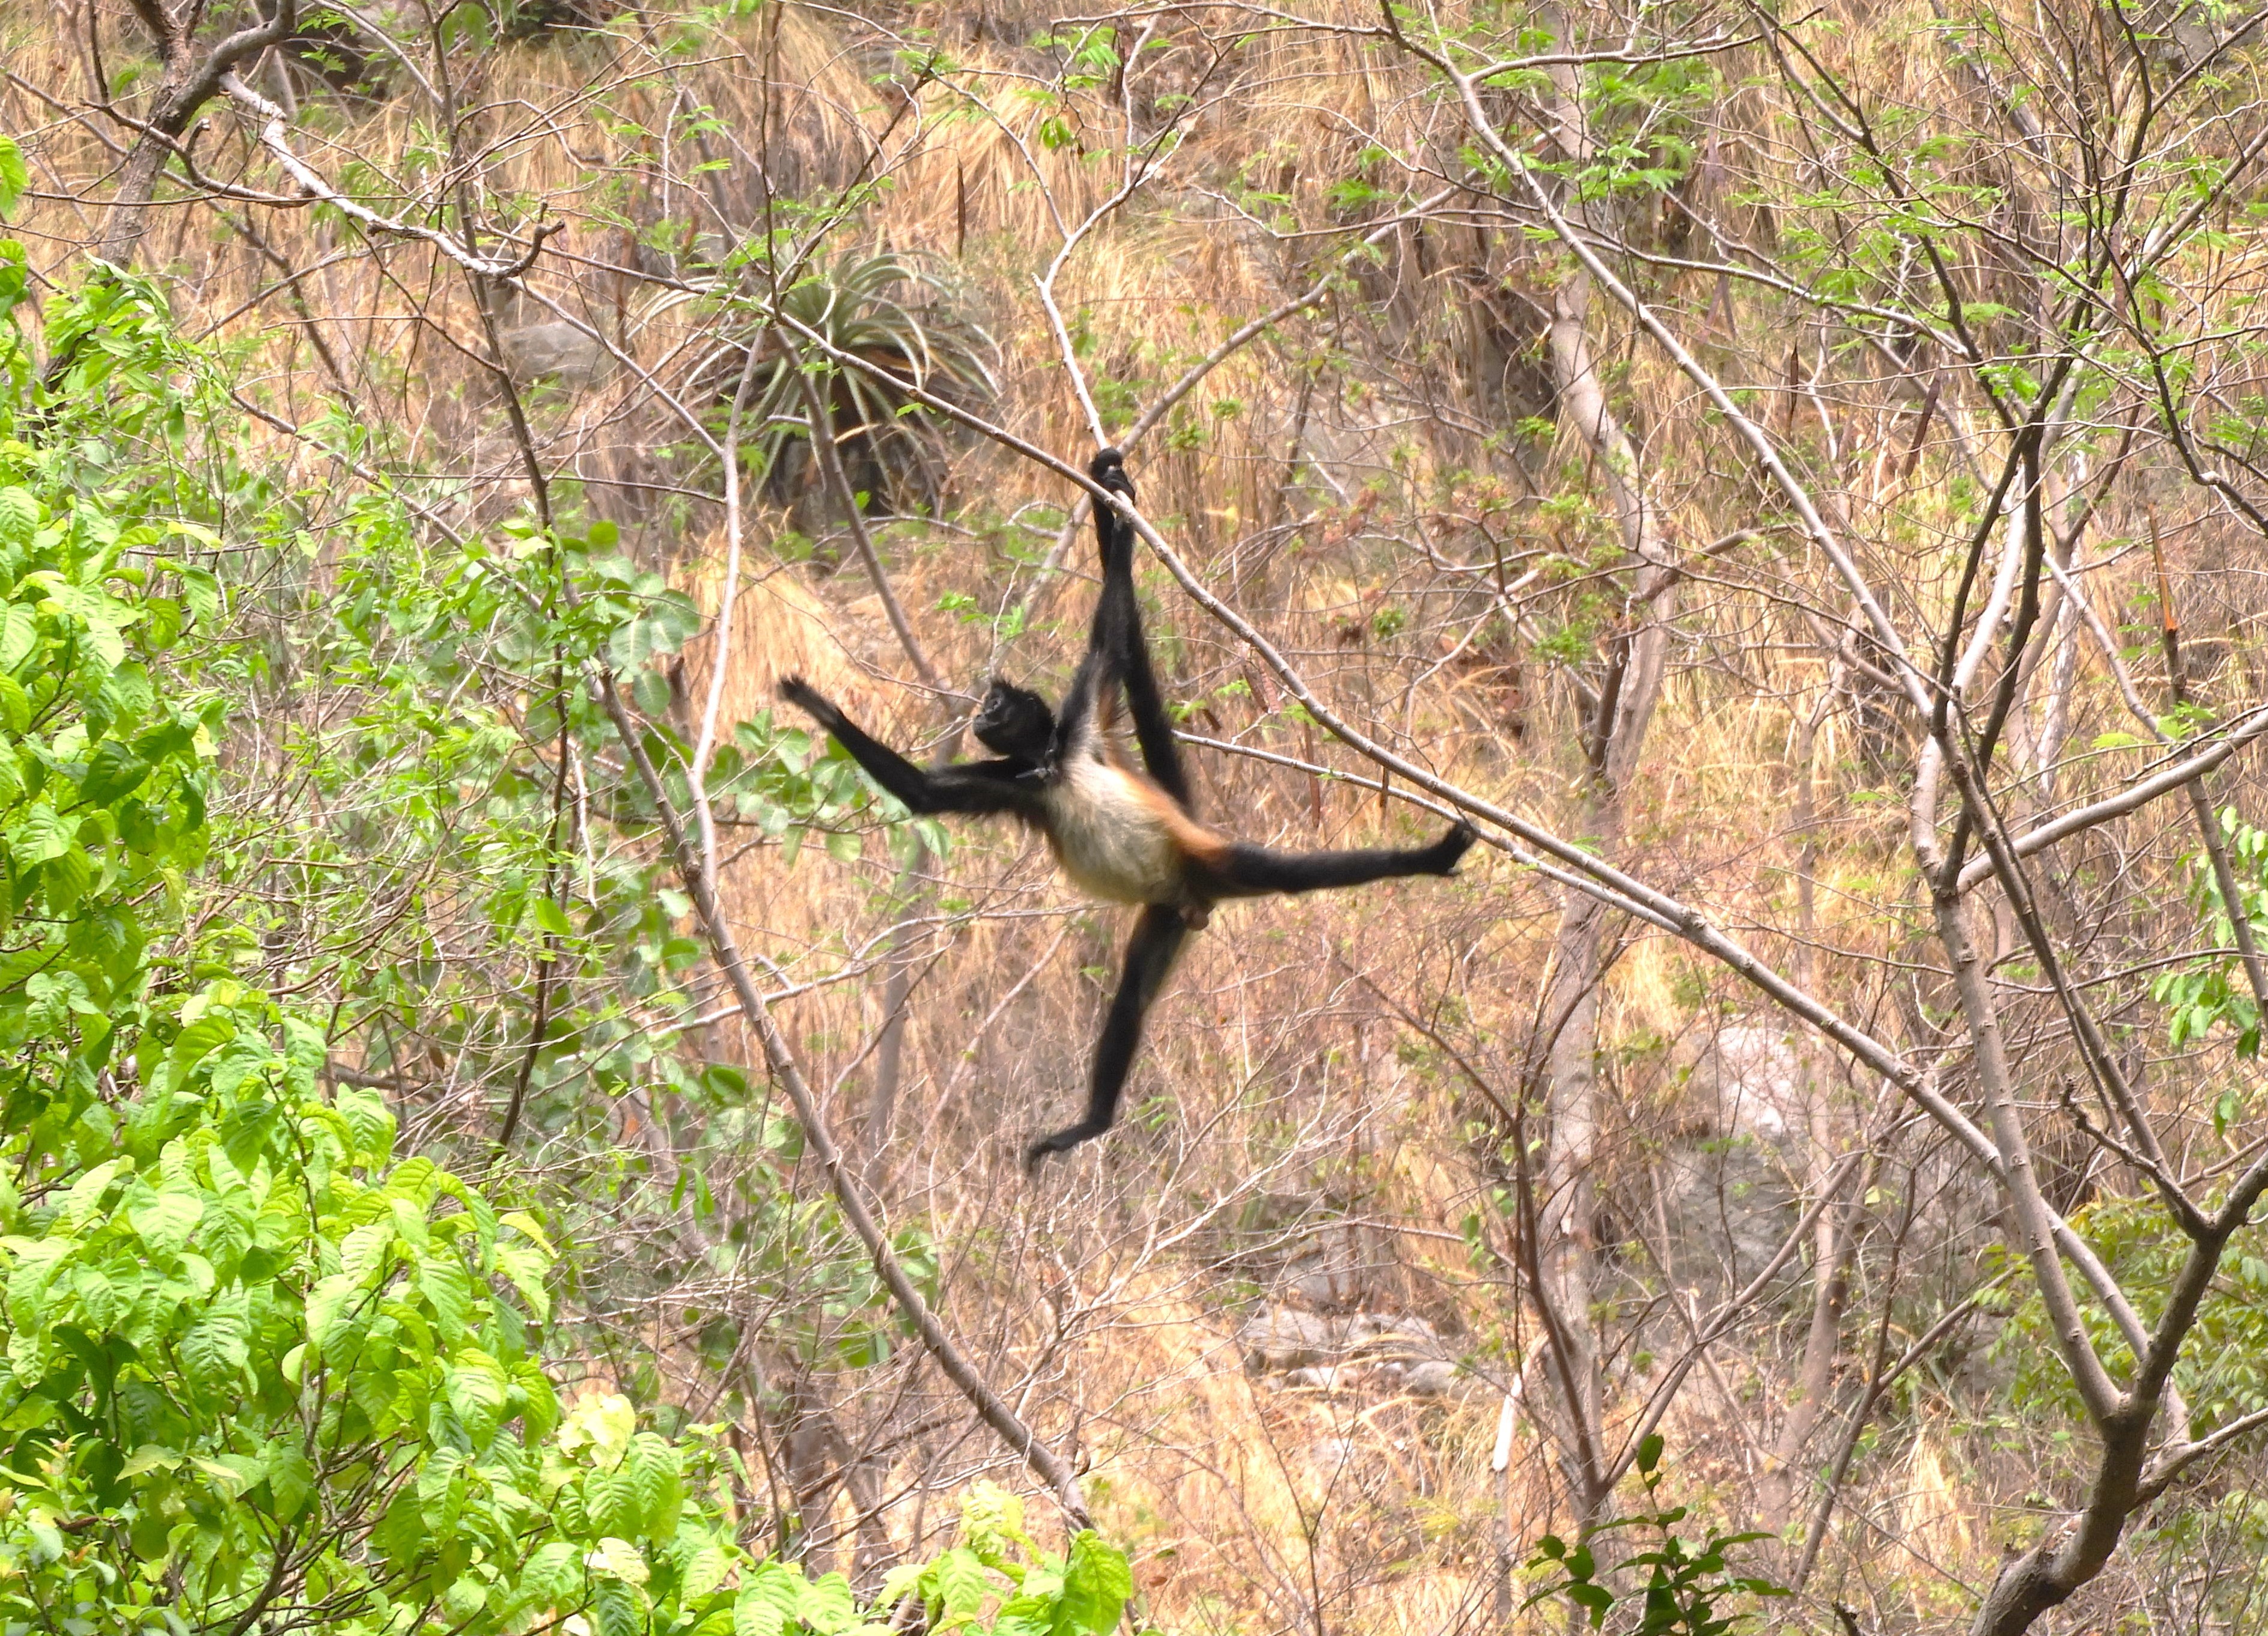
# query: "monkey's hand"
1109,468
810,700
1451,847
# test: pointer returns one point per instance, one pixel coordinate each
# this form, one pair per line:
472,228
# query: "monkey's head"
1109,468
1015,722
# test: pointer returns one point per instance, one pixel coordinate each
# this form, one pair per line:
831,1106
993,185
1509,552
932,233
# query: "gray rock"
1387,1335
1730,1173
1285,1337
1331,1275
557,350
1435,1377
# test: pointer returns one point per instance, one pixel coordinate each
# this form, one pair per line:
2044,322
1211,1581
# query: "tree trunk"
187,85
1831,1236
1631,684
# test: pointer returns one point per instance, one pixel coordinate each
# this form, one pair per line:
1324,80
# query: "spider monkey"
1119,834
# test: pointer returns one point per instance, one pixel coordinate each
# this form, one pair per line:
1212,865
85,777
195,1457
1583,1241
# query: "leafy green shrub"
263,1370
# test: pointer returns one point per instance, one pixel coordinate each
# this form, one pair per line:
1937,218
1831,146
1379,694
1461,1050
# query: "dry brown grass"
1280,1067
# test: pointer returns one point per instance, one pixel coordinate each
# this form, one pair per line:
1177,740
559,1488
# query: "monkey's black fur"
1119,834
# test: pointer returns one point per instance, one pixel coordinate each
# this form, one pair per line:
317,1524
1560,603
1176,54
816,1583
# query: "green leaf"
771,1595
615,1610
19,625
554,1572
87,1192
478,1391
652,1467
19,517
827,1606
620,1560
962,1584
364,1250
216,1347
702,1574
327,1307
199,1039
1097,1583
291,1479
165,1221
112,773
38,836
14,177
232,1480
448,1289
149,1457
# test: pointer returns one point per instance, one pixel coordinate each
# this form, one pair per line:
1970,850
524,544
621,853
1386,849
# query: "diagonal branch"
269,133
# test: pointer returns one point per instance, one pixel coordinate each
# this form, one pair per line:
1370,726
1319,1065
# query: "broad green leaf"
1097,1583
291,1479
112,772
448,1289
38,836
555,1572
204,1035
704,1573
478,1391
19,626
327,1307
615,1610
524,1268
230,1481
620,1560
165,1220
962,1584
87,1192
215,1346
149,1457
770,1595
827,1606
365,1249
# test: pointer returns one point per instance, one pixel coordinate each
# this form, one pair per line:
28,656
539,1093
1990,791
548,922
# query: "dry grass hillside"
1293,1322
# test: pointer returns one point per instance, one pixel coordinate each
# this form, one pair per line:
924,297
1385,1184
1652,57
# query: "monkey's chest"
1112,836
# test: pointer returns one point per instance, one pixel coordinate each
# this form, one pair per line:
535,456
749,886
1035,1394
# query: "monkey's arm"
1118,637
1157,938
973,787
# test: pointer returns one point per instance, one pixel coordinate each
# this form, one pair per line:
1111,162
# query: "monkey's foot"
1453,847
1060,1141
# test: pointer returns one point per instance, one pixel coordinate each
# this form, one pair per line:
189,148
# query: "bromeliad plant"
891,311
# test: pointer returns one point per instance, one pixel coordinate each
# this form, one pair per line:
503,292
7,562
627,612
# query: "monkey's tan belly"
1112,837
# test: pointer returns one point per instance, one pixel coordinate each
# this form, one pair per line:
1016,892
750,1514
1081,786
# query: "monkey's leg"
1250,872
1158,937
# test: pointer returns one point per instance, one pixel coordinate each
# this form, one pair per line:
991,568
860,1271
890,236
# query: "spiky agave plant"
891,311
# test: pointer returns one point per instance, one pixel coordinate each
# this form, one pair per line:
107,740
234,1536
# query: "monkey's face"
1015,722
